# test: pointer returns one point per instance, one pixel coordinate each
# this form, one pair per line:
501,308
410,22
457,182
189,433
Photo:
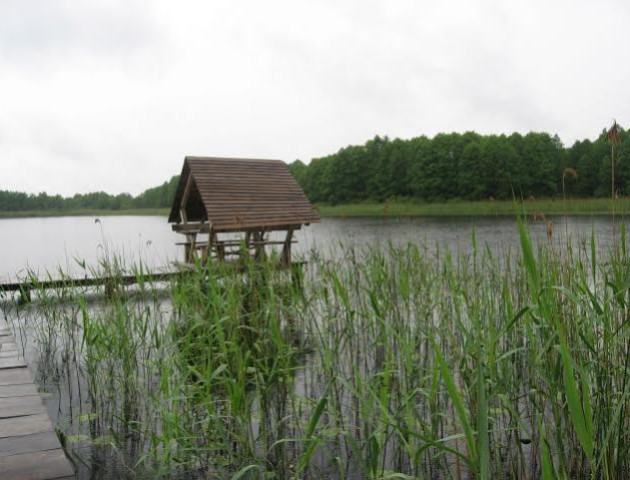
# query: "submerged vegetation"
387,364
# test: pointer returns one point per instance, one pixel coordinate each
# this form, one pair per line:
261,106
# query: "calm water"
47,244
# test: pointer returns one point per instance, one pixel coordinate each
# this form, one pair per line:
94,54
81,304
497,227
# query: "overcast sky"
112,94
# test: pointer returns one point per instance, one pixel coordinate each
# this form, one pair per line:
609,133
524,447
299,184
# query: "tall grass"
393,363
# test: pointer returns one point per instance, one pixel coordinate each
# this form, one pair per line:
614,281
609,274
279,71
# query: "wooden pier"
111,282
114,283
29,447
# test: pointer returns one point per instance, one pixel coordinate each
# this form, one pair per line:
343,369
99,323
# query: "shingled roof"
238,193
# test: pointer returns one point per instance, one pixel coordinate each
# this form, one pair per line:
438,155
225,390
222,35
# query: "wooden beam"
18,390
49,464
286,250
207,253
191,227
83,282
259,245
182,205
35,442
190,247
205,228
15,376
20,406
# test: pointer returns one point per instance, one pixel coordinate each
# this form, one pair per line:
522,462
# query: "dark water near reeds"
47,244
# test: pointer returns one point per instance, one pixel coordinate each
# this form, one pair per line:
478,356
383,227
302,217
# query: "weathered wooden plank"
46,465
29,449
12,363
10,350
6,346
205,228
21,406
15,376
11,427
20,390
35,442
9,353
86,282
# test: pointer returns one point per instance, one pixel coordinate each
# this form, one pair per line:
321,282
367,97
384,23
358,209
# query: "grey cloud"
50,30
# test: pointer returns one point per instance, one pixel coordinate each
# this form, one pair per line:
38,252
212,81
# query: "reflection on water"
45,244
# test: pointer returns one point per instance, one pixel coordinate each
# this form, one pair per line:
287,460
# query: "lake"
50,243
113,372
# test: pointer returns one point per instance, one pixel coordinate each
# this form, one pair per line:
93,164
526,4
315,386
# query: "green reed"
395,362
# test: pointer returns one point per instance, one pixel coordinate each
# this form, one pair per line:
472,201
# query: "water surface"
47,244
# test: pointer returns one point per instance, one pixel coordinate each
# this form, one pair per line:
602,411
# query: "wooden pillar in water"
260,247
297,276
244,254
285,258
207,252
190,247
25,294
110,288
220,247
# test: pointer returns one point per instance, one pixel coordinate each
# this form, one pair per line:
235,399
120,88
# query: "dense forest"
448,166
467,166
157,197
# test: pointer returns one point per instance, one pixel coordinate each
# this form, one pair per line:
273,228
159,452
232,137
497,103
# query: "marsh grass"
389,363
409,208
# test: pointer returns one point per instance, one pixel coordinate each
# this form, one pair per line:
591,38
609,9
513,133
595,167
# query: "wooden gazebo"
237,203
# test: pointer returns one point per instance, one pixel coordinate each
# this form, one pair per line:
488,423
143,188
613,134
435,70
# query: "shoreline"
84,213
549,207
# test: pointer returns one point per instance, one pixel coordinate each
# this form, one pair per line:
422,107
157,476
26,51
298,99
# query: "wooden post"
25,294
260,247
245,253
187,250
207,254
285,258
183,217
182,208
190,247
204,256
109,288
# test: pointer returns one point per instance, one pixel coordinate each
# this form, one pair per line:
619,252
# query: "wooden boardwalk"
29,447
114,282
111,282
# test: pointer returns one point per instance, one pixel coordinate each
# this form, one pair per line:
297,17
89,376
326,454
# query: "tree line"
467,166
157,197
